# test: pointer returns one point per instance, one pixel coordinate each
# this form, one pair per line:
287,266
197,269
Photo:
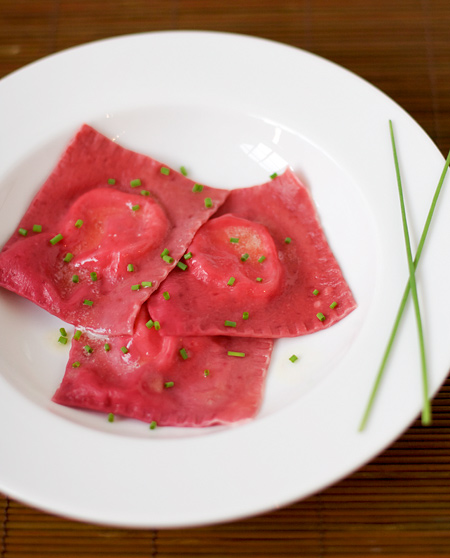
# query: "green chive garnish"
245,315
231,281
261,259
88,349
75,278
23,232
130,267
165,252
124,350
183,354
293,358
135,287
157,325
206,373
153,425
111,181
315,292
94,276
166,295
136,207
77,334
56,239
146,284
76,364
244,257
259,279
288,240
182,266
88,302
229,323
149,324
333,305
188,256
145,193
79,223
165,170
273,175
234,240
208,202
37,228
236,354
107,347
320,316
111,417
168,259
68,257
62,340
183,171
169,384
134,183
63,332
197,188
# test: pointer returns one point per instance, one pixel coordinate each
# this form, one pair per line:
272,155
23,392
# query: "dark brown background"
399,505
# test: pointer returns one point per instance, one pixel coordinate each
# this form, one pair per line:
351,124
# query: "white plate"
232,109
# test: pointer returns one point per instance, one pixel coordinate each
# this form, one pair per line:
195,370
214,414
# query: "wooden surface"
398,505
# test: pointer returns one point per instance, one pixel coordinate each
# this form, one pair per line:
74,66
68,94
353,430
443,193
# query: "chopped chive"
107,347
182,266
229,323
208,202
94,276
236,354
261,259
76,364
157,325
259,279
168,259
56,239
244,257
245,315
63,332
145,193
88,302
111,181
88,349
165,170
197,188
135,287
165,252
183,171
146,284
150,324
206,373
134,183
77,334
320,316
231,281
333,305
130,267
166,295
293,358
23,232
79,223
188,256
75,278
288,240
68,257
136,207
62,340
37,228
153,425
183,354
169,384
315,292
111,417
234,240
124,350
273,175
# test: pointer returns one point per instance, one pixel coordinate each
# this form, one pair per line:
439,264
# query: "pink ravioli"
134,377
261,267
116,211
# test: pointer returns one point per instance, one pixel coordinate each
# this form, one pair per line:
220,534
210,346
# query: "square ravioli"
101,234
261,267
174,381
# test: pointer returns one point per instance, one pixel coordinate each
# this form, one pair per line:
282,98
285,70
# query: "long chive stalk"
404,299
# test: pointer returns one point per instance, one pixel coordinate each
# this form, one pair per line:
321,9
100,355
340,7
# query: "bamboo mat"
398,505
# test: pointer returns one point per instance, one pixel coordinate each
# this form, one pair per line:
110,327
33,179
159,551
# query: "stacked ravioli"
177,290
